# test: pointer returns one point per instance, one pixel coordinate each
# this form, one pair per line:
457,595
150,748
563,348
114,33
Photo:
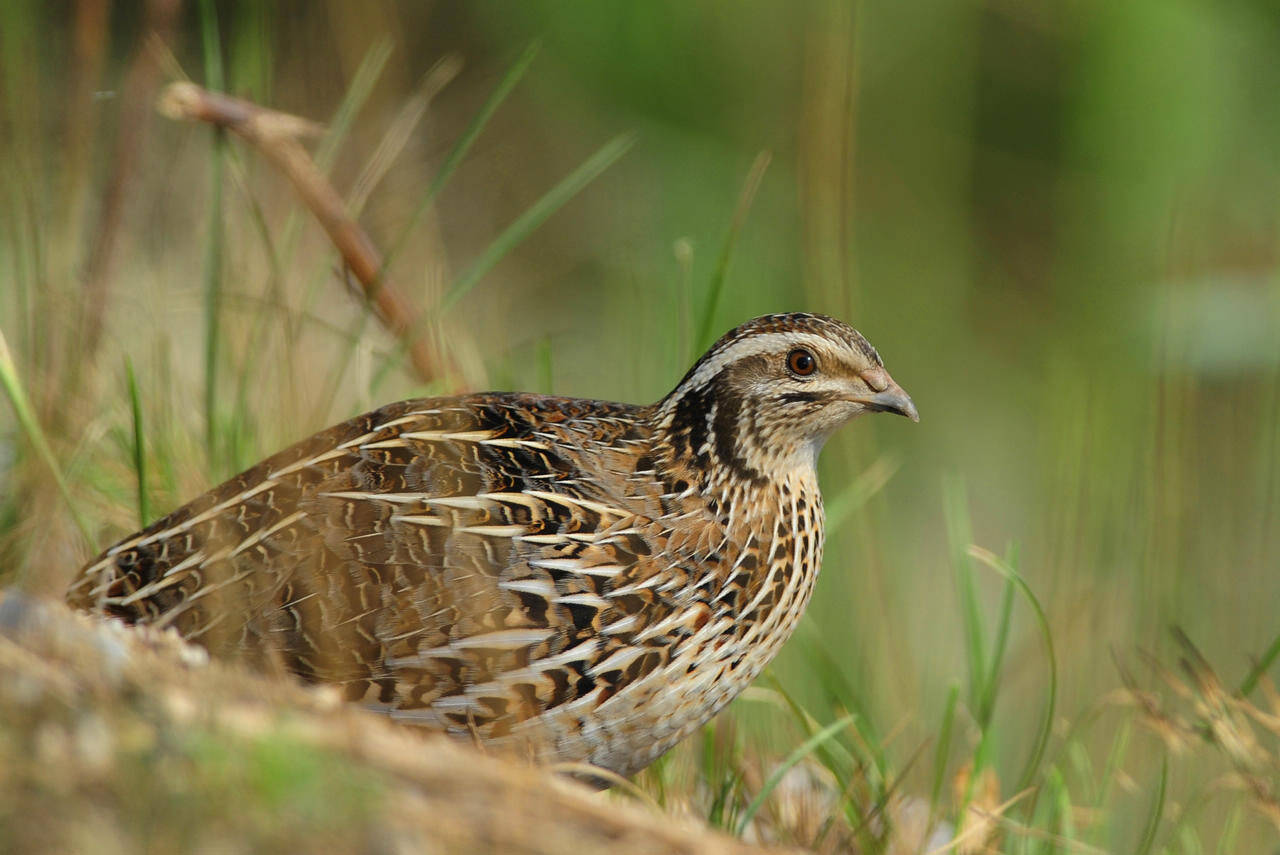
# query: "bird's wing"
462,563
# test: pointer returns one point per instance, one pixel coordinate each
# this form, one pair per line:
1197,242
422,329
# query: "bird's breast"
745,605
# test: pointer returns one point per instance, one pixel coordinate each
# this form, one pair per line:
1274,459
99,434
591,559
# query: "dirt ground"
114,739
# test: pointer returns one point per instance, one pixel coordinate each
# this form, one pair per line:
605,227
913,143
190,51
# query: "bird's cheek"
841,413
829,420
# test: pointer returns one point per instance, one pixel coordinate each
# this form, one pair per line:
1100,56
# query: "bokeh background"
1059,223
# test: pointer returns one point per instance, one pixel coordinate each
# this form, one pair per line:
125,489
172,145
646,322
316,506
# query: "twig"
277,136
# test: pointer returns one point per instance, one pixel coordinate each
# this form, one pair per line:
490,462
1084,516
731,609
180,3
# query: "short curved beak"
892,399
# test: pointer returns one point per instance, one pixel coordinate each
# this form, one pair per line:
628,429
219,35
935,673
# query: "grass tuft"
799,753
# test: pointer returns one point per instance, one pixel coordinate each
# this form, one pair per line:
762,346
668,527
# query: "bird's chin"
818,439
837,417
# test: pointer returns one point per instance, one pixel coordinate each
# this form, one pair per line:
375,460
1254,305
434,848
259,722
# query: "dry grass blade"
440,75
277,135
586,772
1212,716
1172,731
1223,716
1021,830
974,834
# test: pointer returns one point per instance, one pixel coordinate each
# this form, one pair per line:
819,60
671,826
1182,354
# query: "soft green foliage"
278,778
1058,223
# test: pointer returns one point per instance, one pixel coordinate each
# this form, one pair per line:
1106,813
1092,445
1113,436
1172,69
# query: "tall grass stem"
139,445
26,416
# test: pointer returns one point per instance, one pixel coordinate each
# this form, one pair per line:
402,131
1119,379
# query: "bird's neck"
763,526
722,440
711,456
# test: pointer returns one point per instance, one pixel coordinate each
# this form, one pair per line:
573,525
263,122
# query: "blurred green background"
1057,222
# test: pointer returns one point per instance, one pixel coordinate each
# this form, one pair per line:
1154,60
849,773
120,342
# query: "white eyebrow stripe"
752,345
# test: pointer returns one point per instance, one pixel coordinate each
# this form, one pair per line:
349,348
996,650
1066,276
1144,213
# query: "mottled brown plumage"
591,580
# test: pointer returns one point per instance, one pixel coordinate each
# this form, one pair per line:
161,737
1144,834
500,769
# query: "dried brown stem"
277,136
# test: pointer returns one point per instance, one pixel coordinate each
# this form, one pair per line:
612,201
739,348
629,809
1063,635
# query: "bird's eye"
801,362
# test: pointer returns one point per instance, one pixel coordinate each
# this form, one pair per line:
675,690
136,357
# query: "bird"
584,581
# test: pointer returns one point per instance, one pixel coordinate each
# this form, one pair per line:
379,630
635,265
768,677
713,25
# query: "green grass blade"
775,777
353,101
981,755
250,46
861,490
162,440
523,226
684,252
943,751
706,325
1230,831
536,215
718,816
546,368
479,121
463,145
214,253
262,322
26,416
1157,811
139,446
362,83
401,130
1046,722
1260,668
960,536
211,41
832,675
992,683
213,298
1082,770
834,756
1061,800
1115,756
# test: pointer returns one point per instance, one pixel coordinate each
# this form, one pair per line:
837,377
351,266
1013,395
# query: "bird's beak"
890,399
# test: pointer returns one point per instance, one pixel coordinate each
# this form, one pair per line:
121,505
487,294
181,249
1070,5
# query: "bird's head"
769,393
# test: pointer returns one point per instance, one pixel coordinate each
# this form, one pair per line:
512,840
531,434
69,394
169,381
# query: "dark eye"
801,362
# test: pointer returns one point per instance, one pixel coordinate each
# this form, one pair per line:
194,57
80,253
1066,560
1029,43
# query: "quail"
589,580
